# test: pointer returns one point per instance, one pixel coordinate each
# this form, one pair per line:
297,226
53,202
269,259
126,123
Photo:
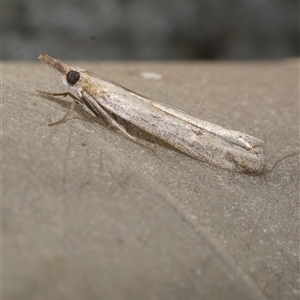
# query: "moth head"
70,75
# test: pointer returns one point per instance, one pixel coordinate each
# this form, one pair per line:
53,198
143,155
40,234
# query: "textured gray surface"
87,214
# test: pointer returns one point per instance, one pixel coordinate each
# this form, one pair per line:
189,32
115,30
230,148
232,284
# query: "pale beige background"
87,214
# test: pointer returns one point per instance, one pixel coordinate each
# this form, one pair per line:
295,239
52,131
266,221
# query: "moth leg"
75,100
65,94
109,118
134,139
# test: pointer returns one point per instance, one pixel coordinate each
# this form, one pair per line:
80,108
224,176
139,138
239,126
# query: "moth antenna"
282,159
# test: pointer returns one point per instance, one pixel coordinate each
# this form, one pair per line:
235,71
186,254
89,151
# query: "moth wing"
230,136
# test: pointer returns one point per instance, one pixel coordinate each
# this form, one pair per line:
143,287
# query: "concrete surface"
88,214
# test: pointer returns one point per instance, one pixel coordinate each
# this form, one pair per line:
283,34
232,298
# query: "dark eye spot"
72,77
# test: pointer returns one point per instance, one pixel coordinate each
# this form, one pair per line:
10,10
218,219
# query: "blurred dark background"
150,29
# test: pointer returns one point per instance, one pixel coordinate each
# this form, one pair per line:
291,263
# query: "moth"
207,142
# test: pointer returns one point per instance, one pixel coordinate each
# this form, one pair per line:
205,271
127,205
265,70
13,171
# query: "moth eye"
72,77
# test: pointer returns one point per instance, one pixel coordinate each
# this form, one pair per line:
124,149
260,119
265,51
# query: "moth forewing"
203,140
191,139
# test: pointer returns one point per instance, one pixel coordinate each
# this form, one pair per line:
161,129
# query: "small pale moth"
202,140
